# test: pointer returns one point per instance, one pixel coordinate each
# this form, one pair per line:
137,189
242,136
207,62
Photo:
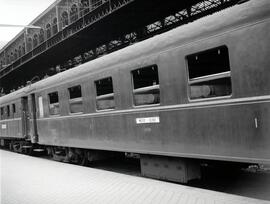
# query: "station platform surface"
30,180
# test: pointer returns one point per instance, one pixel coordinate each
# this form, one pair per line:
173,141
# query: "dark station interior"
112,25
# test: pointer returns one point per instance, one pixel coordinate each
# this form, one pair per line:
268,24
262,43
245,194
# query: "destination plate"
147,120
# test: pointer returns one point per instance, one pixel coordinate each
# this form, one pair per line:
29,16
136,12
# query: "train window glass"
8,111
209,73
13,108
40,105
53,103
146,86
105,95
2,112
75,95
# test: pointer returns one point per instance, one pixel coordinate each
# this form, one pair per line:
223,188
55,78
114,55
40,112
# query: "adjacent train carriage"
15,124
198,92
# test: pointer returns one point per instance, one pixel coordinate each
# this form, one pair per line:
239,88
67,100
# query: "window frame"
2,112
77,99
209,77
8,112
104,95
144,89
14,110
50,104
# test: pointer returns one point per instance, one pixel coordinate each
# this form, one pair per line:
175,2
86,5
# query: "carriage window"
105,95
53,103
75,101
146,86
209,73
2,112
8,111
13,108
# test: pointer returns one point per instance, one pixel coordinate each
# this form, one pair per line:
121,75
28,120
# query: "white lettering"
147,120
4,126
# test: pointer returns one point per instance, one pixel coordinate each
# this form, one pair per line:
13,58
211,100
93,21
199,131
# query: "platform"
30,180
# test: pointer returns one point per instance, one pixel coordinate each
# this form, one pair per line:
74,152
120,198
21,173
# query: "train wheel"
77,156
27,148
49,151
17,147
82,158
60,154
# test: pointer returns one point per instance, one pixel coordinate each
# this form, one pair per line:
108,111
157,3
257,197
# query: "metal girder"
183,16
99,24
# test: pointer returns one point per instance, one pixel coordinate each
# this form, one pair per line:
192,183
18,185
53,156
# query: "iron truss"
103,10
184,16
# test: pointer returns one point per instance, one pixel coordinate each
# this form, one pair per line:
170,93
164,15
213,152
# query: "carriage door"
29,118
33,119
25,118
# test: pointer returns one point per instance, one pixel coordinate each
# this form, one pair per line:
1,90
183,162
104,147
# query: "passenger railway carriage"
200,92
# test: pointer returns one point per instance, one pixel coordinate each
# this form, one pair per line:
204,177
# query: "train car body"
199,91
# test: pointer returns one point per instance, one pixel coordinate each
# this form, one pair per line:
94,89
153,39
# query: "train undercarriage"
180,170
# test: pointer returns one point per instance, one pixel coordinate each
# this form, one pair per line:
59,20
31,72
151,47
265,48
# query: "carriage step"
26,146
38,150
